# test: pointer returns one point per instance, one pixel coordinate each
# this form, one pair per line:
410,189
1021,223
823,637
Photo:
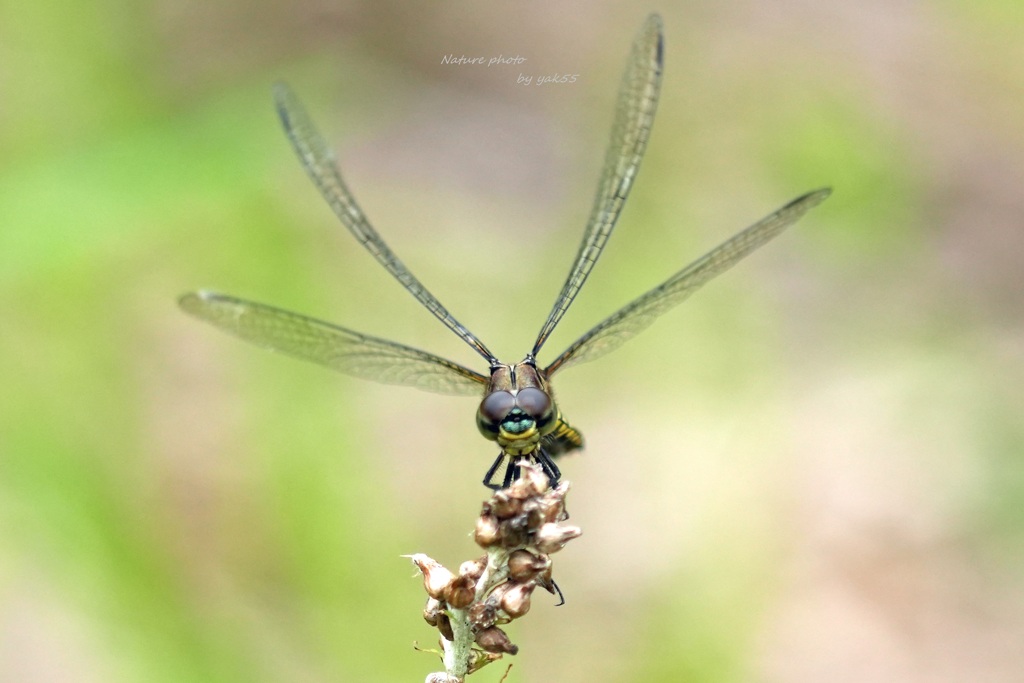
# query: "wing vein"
635,108
339,348
318,160
635,316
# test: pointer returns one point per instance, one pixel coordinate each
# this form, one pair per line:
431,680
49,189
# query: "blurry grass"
103,231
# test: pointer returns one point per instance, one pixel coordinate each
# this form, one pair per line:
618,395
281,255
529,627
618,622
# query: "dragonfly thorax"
517,409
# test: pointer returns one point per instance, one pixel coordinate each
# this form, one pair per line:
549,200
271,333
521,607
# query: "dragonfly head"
518,409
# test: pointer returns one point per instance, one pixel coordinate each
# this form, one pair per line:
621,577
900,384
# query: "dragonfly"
518,410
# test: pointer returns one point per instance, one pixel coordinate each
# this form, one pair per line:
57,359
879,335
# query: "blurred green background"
812,471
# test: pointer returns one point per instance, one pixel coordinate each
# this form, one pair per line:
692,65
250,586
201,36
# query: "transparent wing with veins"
634,116
336,347
318,160
641,312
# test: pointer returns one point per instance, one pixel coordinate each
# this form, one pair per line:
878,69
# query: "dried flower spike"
518,527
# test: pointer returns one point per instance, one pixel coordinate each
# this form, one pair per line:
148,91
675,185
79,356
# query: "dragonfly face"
519,413
518,410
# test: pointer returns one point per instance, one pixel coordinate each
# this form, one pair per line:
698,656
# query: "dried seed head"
545,581
444,626
534,514
515,531
519,526
431,611
493,639
538,480
531,482
473,568
555,512
487,532
494,597
553,503
516,600
503,505
459,593
482,615
524,565
435,576
552,537
521,489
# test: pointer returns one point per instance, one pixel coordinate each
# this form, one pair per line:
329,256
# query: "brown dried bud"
493,639
459,593
552,537
521,489
534,514
494,597
516,600
473,568
553,503
431,611
524,565
536,478
545,581
444,625
435,576
515,531
487,532
482,615
504,506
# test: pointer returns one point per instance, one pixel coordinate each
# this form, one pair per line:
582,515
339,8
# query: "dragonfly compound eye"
534,402
493,409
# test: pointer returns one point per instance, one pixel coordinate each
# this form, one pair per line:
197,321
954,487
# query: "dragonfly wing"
319,162
336,347
634,116
641,312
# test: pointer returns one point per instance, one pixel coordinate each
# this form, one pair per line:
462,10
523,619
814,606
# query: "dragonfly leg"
513,471
490,473
511,474
561,598
548,466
